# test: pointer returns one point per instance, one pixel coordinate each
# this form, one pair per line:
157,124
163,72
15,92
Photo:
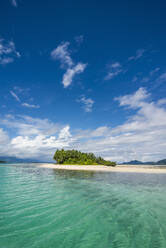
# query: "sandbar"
101,168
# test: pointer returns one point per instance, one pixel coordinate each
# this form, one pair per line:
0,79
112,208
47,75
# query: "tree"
77,157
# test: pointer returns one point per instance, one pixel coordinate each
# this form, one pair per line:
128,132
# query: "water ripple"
46,208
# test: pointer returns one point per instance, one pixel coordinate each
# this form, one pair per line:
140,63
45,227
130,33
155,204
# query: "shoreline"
100,168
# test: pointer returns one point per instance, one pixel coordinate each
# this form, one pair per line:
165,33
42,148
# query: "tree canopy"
76,157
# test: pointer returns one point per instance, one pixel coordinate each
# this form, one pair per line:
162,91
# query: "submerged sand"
118,168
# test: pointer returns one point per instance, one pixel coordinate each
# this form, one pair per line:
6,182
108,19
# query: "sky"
85,75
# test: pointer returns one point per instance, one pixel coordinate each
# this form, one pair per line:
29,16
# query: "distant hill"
137,162
6,159
162,162
133,162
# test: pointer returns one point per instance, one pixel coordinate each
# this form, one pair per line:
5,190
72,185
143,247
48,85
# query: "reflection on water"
113,177
74,174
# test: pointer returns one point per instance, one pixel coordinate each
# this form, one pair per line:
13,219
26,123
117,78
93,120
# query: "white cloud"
154,71
162,78
87,103
134,100
20,90
139,54
3,137
28,126
14,3
15,96
161,102
111,75
149,77
30,105
114,70
41,147
64,134
36,138
61,53
7,52
89,133
71,72
116,65
4,141
5,61
141,137
17,92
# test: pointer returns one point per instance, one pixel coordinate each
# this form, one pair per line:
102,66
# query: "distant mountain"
133,162
162,162
18,160
137,162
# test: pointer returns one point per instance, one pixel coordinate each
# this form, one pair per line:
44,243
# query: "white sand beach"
118,168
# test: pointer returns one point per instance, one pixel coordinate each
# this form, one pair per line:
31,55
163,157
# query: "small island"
74,157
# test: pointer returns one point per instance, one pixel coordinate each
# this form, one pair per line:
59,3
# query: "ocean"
46,208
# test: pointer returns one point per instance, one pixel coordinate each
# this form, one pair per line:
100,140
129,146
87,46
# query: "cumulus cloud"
64,133
89,133
161,101
71,72
134,100
114,70
87,103
7,52
62,54
40,146
36,138
141,137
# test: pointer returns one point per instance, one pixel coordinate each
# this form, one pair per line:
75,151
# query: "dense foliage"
77,157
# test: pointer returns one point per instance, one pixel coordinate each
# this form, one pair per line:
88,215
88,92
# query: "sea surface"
45,208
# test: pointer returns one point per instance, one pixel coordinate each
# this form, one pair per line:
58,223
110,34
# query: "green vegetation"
77,157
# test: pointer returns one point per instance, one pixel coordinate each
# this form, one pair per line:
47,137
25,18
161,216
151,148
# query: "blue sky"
83,75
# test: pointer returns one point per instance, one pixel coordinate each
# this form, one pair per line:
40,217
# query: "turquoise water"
44,208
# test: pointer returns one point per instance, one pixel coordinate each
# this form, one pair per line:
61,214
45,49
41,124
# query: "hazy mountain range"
24,160
17,160
137,162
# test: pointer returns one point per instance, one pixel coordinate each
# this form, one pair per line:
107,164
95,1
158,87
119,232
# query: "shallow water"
44,208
